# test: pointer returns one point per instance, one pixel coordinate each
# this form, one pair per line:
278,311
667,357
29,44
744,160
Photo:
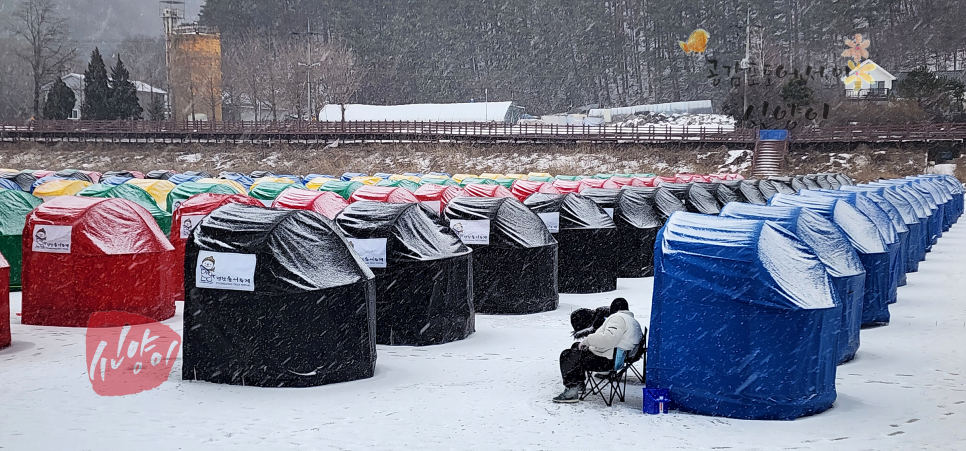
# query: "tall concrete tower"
194,66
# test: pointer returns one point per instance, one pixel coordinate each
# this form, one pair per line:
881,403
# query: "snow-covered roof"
693,107
877,74
430,112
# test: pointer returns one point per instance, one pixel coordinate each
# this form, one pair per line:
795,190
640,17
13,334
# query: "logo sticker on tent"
552,221
188,223
472,232
225,271
372,251
52,239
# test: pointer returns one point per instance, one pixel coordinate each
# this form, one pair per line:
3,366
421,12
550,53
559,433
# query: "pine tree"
97,91
123,100
156,108
60,101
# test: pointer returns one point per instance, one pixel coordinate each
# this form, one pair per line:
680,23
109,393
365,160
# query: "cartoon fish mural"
697,42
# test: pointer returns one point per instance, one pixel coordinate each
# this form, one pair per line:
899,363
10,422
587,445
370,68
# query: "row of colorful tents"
389,270
753,309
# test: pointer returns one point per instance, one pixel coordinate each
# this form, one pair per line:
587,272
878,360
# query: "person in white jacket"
596,352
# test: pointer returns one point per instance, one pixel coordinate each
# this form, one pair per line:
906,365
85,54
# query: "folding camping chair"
614,383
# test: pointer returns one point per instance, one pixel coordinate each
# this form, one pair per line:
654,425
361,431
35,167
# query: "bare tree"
341,76
43,33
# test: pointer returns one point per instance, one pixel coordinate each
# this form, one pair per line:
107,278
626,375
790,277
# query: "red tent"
4,303
597,183
387,194
83,255
327,203
187,216
478,190
642,181
661,179
567,186
95,176
686,178
42,173
523,189
437,196
621,181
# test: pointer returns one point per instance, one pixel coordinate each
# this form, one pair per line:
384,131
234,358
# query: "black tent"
833,181
844,179
125,174
159,174
638,221
754,192
71,174
696,198
24,180
514,255
202,174
784,185
259,174
276,298
587,242
665,202
424,273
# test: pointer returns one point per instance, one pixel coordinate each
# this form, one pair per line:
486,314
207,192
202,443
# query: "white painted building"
879,88
76,83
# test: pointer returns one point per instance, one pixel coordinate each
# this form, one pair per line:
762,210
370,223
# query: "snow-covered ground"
906,390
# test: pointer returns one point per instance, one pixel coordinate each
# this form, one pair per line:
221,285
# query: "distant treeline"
550,55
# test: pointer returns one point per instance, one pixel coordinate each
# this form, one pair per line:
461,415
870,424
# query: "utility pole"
746,63
308,65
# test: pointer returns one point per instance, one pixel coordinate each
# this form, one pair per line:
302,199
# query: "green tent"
643,175
478,181
14,207
604,176
268,191
409,185
572,178
538,178
437,180
508,183
185,190
134,194
344,189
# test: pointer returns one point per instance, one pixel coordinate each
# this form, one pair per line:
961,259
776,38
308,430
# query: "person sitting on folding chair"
597,351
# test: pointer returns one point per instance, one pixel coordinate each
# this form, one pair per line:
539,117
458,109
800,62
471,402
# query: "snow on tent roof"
15,205
342,188
425,289
310,319
665,201
267,192
743,320
185,190
424,112
178,179
516,273
696,198
689,107
134,194
587,242
637,220
522,189
901,210
115,245
486,190
327,203
866,206
861,231
383,194
237,177
406,184
115,180
24,180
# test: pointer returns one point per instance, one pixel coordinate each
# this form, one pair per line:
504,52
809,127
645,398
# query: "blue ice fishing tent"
900,210
9,184
115,181
934,228
829,244
351,175
743,320
918,202
178,179
938,189
930,189
955,188
865,238
883,223
243,179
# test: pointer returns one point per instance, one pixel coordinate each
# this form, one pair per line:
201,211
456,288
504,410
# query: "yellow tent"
8,170
459,177
235,185
158,189
411,178
56,188
515,176
367,180
491,176
539,174
317,182
259,181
